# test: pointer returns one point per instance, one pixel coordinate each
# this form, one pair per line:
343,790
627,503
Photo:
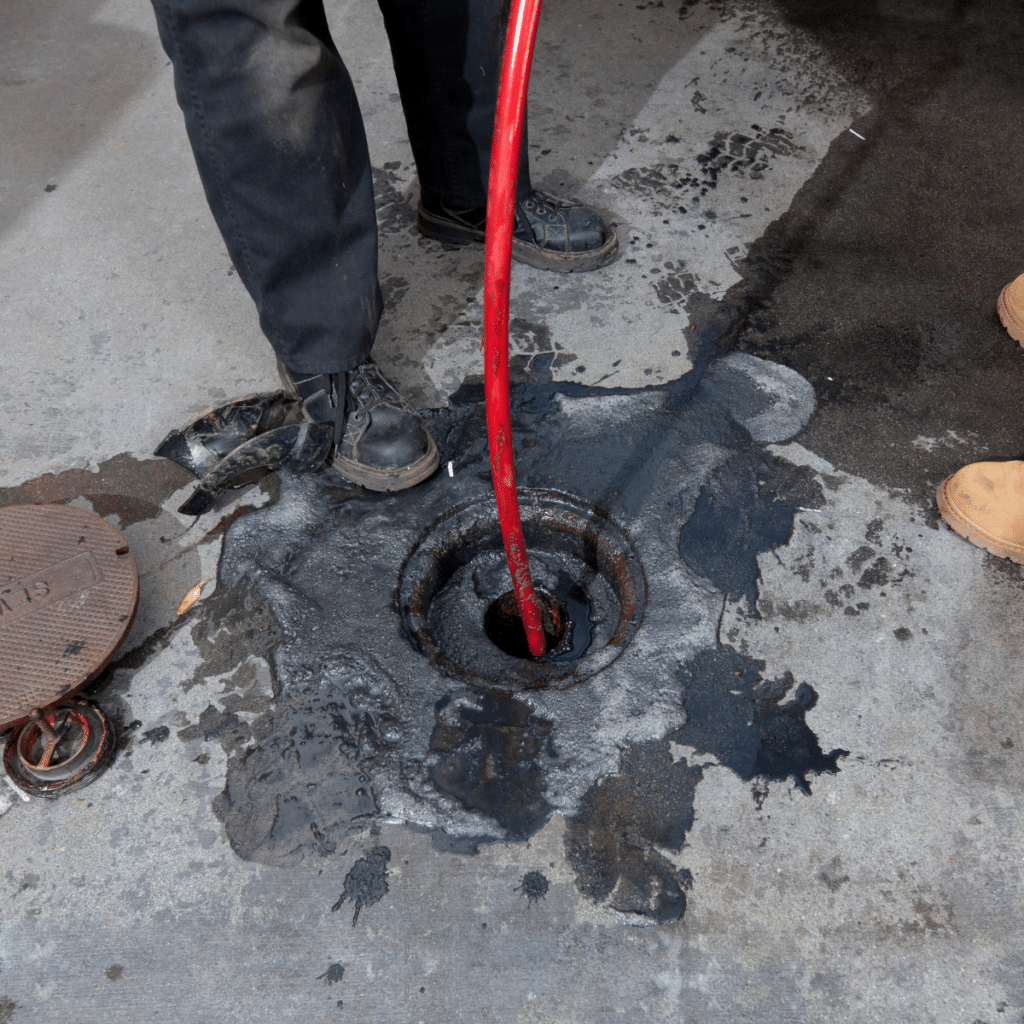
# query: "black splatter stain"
7,1008
335,972
490,760
73,648
114,972
534,886
155,736
367,881
902,633
873,532
746,507
859,557
831,878
216,724
877,575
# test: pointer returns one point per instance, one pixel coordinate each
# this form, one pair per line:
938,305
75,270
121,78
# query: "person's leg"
447,56
279,143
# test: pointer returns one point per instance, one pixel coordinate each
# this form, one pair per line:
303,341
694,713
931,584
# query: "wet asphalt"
879,283
793,794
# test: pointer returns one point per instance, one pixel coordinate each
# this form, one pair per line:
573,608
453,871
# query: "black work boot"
380,440
550,233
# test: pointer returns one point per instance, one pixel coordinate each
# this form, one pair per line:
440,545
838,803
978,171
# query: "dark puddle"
491,759
754,726
613,842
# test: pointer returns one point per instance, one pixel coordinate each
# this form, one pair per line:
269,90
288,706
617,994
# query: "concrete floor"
833,187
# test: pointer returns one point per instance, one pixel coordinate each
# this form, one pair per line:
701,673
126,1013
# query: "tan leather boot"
984,503
1011,309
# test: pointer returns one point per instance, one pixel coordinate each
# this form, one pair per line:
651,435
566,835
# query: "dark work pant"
279,142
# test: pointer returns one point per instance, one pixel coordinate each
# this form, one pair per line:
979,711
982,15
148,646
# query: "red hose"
501,194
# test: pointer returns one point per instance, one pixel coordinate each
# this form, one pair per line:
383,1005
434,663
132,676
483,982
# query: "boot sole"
376,479
444,230
973,533
389,480
1014,329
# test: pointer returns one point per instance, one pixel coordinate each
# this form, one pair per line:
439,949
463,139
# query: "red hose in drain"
501,194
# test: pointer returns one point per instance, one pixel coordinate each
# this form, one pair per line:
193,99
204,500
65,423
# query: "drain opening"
566,619
457,604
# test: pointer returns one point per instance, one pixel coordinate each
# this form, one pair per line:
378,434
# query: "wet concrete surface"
795,793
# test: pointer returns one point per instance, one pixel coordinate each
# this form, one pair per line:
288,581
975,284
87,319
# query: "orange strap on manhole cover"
68,594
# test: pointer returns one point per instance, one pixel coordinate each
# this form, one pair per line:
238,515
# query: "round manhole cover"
68,594
455,603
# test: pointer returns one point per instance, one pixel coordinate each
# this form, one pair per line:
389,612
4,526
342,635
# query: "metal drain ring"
60,750
549,517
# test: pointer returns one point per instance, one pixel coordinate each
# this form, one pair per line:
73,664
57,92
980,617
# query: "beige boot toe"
1011,309
984,503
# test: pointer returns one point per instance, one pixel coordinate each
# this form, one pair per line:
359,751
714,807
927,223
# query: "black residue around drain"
302,787
367,881
216,724
308,587
491,757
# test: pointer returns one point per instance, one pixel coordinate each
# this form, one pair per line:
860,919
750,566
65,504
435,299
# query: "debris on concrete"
192,596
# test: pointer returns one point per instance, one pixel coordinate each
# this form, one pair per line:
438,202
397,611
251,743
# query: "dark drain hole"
567,625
